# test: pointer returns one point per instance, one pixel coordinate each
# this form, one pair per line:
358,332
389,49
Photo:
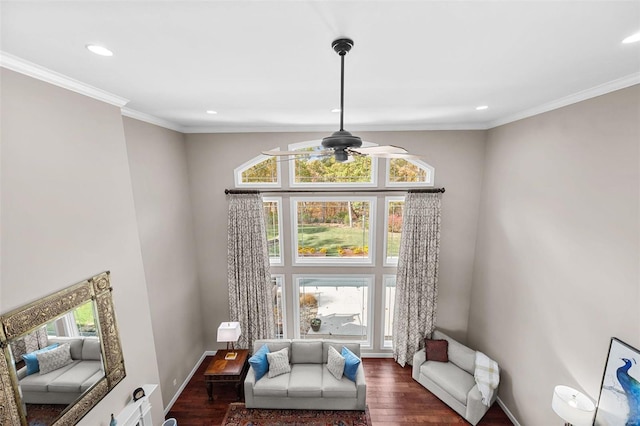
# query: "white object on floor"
170,422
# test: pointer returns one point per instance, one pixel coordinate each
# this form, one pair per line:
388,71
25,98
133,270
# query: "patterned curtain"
250,295
417,276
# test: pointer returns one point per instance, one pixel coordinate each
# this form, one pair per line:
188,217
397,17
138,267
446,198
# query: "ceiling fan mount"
342,144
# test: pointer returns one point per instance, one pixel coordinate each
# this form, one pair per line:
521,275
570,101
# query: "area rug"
239,415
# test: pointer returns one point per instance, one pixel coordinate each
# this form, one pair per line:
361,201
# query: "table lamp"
574,407
229,332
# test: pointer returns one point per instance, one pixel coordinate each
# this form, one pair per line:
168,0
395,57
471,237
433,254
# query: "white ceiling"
268,65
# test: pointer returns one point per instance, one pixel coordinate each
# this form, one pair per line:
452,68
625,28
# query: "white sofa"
309,385
453,382
66,384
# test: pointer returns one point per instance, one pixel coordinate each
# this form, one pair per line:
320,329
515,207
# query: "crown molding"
332,128
152,119
38,72
602,89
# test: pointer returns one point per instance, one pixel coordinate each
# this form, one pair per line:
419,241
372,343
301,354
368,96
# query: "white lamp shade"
229,332
573,406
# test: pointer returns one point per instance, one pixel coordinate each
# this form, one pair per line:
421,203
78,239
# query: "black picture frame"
619,399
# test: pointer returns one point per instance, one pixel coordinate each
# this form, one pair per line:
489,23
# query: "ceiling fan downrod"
341,140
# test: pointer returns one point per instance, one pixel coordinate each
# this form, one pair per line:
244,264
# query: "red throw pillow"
436,350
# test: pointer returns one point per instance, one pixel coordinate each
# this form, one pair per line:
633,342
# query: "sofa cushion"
91,349
40,382
274,345
306,352
306,380
278,362
459,354
276,386
335,363
74,342
452,379
31,359
71,380
436,350
54,359
351,362
337,388
259,362
337,345
92,380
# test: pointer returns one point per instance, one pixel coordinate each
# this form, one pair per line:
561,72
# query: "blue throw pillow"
31,360
351,362
259,362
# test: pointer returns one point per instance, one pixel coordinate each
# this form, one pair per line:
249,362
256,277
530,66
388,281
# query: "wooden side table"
221,370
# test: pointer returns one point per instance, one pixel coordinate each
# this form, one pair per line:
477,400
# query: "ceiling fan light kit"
342,144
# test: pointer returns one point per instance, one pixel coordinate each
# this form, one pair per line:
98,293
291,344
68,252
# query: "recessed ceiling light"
212,112
632,38
335,110
482,107
99,50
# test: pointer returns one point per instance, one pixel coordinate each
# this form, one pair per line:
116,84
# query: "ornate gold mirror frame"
34,315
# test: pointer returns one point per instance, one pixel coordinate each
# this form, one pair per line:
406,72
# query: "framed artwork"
619,401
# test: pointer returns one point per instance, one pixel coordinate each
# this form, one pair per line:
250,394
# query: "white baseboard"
507,412
186,381
377,355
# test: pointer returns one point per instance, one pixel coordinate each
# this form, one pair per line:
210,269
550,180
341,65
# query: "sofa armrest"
418,359
22,373
361,387
249,382
475,408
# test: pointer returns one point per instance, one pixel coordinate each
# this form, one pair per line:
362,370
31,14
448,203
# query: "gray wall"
556,269
158,163
67,213
457,156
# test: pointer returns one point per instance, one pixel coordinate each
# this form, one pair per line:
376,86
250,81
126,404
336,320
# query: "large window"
393,225
341,303
334,230
273,223
78,322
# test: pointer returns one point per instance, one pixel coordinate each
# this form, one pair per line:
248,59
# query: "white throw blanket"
487,375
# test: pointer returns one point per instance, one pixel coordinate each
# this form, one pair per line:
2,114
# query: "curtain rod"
310,191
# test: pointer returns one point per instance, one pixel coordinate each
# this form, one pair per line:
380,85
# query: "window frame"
369,280
278,201
385,259
386,344
331,261
431,171
283,302
316,143
237,173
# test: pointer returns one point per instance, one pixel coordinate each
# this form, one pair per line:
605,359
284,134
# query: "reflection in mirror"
62,355
73,363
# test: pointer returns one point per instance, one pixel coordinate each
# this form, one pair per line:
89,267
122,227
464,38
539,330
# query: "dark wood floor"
393,398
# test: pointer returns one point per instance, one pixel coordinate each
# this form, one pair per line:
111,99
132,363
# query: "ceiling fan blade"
396,155
283,153
383,149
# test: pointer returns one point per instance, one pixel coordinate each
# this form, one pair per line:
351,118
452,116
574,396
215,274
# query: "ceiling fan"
342,144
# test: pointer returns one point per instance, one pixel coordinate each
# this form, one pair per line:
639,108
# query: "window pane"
325,169
389,305
330,231
272,223
394,230
264,172
341,303
85,320
401,170
278,305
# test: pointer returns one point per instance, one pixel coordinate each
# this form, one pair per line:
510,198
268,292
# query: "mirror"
73,329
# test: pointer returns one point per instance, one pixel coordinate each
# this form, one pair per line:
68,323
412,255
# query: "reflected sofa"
66,384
